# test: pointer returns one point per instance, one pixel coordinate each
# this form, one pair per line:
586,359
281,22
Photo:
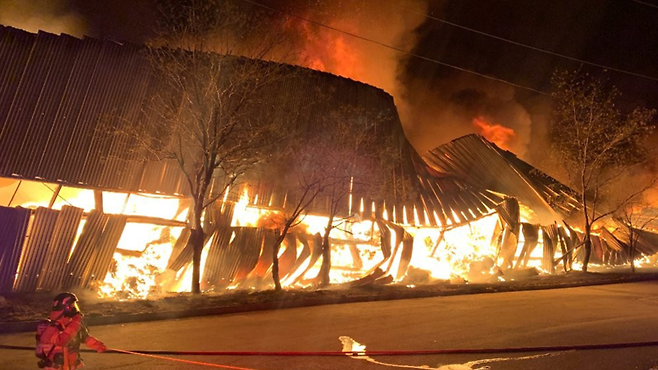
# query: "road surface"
573,316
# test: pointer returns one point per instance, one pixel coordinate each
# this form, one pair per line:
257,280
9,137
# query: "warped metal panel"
104,251
304,255
241,255
550,239
647,243
265,259
567,250
530,240
474,160
598,249
184,256
405,254
63,237
13,228
36,248
222,258
315,245
249,258
85,250
178,248
217,216
399,238
385,239
289,256
444,212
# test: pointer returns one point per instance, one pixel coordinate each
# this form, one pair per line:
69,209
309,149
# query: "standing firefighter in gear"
59,337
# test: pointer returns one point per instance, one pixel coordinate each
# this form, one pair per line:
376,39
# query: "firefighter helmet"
67,303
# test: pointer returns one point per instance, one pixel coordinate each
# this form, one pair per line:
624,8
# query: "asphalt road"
573,316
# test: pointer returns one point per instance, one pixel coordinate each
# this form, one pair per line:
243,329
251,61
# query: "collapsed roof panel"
474,161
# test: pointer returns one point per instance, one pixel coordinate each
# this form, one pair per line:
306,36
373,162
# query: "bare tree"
207,112
348,152
635,217
596,142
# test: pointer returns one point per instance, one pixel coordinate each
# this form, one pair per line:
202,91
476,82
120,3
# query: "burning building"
76,214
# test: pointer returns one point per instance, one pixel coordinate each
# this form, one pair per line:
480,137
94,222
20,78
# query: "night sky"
436,103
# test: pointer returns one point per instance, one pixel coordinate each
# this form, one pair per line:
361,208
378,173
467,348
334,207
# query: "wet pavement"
573,316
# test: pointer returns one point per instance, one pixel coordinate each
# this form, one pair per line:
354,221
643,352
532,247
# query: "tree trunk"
588,226
326,255
196,239
631,252
275,259
588,245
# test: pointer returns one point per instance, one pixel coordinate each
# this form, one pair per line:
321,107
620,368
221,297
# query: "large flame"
459,253
496,133
329,51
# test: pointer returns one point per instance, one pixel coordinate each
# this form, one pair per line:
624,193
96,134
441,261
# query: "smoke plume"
459,105
54,16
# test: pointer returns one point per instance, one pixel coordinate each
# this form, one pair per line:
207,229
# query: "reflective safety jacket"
60,342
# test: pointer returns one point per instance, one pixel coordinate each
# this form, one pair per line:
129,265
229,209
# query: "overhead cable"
533,47
400,50
645,3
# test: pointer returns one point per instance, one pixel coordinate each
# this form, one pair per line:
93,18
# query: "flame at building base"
459,254
363,251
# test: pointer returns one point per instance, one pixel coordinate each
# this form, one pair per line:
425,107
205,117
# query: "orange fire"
496,133
329,51
139,269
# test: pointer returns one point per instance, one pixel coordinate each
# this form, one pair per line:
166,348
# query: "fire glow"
459,253
496,133
463,254
341,58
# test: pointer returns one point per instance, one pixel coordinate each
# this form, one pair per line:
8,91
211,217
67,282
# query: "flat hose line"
581,347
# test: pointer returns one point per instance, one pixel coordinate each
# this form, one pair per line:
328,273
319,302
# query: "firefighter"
59,337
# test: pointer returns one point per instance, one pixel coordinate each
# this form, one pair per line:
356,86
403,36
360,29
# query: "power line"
58,195
400,50
533,47
645,3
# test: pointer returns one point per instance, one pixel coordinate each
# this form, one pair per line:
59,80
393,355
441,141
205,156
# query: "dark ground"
18,312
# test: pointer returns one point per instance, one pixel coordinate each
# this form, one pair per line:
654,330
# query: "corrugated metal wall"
56,90
61,242
35,248
13,228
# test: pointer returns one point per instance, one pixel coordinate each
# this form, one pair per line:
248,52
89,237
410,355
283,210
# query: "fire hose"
447,351
158,354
